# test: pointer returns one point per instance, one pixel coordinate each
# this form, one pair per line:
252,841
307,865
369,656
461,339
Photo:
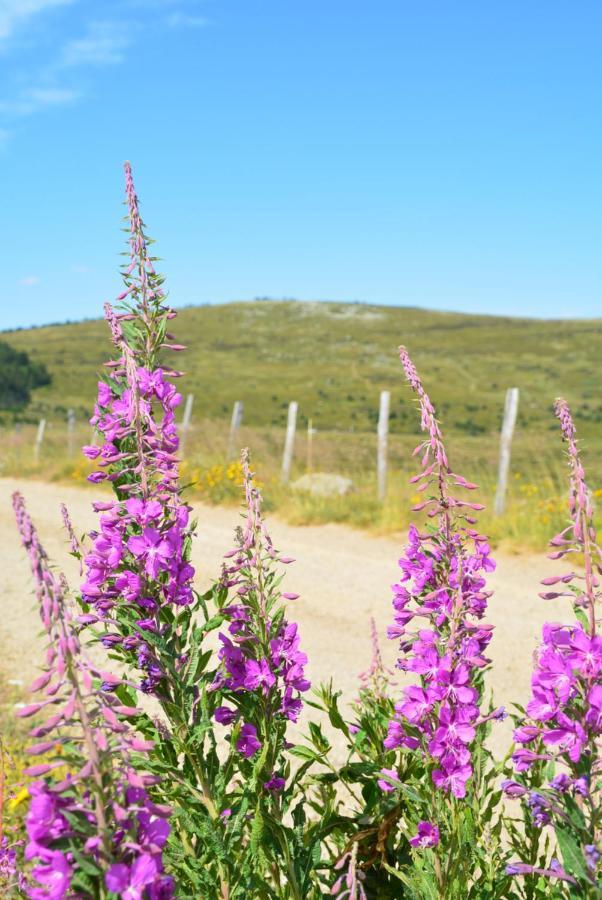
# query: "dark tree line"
18,377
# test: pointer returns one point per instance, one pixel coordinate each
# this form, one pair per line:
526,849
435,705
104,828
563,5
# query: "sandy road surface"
343,577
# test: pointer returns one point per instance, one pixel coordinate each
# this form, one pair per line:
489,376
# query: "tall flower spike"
377,678
580,535
262,672
140,275
443,586
100,809
564,716
139,560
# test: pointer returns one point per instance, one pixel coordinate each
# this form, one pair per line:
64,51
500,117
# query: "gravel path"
343,577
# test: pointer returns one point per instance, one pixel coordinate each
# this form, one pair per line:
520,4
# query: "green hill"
334,358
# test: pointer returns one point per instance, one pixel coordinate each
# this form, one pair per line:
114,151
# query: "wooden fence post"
186,421
235,424
310,445
510,411
39,439
381,452
289,441
70,431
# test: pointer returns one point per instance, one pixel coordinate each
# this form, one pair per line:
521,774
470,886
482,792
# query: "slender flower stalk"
11,876
580,536
376,680
90,800
139,560
262,668
442,588
564,716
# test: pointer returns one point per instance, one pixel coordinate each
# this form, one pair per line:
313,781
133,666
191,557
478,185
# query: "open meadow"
334,359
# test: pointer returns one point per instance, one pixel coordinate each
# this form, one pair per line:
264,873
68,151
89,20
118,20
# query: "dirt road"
343,577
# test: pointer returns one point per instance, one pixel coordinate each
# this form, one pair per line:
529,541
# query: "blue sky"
430,153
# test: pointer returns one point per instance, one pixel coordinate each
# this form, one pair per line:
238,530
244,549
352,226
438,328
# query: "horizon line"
368,303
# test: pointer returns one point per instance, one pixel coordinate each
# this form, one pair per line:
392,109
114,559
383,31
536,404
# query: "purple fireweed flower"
258,674
452,776
513,788
77,814
130,882
248,743
225,716
442,588
581,786
139,554
275,783
11,876
592,856
564,715
593,716
561,783
152,548
262,668
539,807
54,875
390,781
426,836
555,871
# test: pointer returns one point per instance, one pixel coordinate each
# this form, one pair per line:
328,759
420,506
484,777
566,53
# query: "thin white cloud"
159,5
29,281
16,12
104,44
52,96
184,20
100,43
32,99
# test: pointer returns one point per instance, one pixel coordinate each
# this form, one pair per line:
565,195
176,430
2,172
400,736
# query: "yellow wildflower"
18,798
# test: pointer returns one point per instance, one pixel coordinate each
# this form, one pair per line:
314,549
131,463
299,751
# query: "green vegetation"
18,376
334,359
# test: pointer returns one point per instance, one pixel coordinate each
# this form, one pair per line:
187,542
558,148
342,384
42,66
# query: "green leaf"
572,857
318,738
304,752
86,864
213,623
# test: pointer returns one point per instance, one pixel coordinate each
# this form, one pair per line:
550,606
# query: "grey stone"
323,484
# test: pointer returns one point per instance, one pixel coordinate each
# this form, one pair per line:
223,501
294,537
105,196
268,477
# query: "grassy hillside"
334,358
